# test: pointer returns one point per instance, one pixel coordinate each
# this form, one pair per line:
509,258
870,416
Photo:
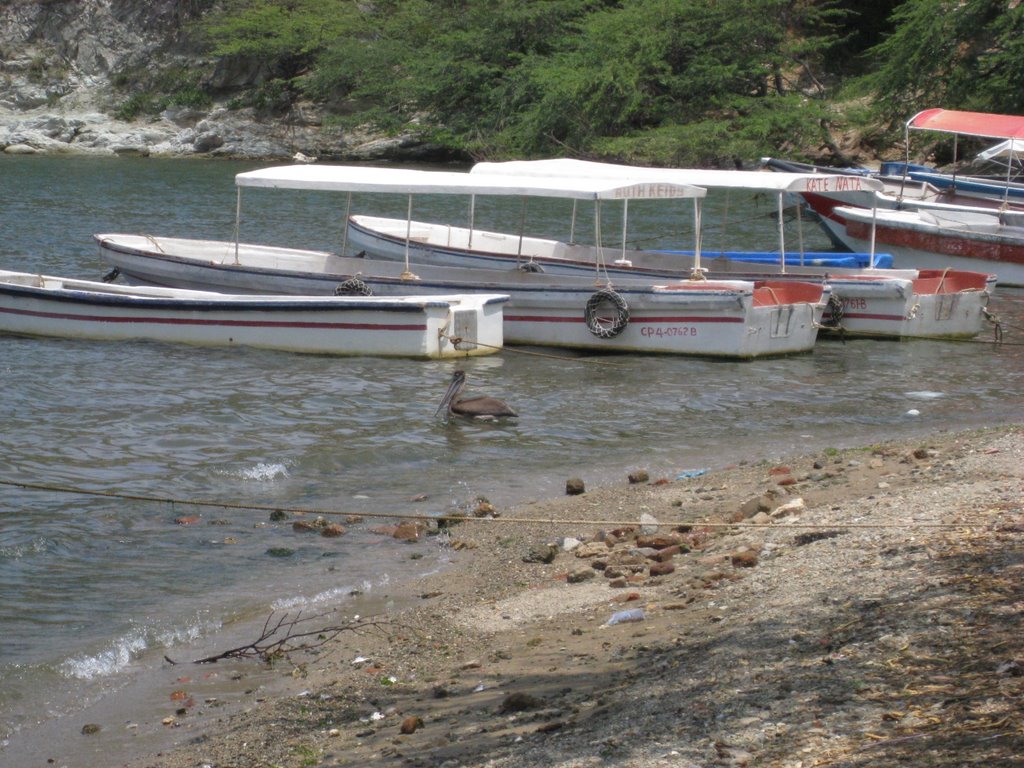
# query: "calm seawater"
95,590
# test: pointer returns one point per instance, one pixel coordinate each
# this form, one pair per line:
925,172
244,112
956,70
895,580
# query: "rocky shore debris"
875,622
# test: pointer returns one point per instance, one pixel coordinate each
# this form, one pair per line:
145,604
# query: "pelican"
477,407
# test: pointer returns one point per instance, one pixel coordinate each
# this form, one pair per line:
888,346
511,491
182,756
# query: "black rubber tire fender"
606,313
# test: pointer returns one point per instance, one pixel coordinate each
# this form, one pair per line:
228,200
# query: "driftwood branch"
283,634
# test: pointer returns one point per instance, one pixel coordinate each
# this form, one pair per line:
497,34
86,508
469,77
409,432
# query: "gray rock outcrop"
58,63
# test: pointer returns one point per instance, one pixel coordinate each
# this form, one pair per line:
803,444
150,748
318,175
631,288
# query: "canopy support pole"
238,221
1009,171
522,227
597,240
408,233
344,237
472,218
906,160
955,139
799,232
782,233
698,271
874,225
625,224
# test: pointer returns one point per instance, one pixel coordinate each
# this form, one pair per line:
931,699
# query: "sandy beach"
857,607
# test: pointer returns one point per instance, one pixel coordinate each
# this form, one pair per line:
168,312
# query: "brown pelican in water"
475,407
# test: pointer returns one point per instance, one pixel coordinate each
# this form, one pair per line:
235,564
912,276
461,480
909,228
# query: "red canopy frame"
982,124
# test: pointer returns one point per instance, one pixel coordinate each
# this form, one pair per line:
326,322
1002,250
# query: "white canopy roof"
344,178
1010,147
753,180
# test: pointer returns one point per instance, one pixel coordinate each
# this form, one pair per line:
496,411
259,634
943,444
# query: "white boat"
592,311
729,319
945,228
924,186
887,303
432,327
880,303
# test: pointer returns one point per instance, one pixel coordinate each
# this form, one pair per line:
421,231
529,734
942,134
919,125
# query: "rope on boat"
458,517
997,326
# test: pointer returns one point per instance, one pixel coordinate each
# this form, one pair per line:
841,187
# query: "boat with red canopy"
954,226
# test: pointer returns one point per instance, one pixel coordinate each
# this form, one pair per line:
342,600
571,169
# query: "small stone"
591,549
574,487
638,476
580,575
648,524
484,508
410,724
332,530
658,541
541,553
789,508
408,531
90,728
666,554
661,569
744,559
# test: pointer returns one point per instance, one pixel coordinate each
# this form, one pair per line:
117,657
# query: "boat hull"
933,239
430,327
729,319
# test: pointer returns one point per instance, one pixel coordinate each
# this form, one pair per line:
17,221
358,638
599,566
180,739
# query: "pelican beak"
446,401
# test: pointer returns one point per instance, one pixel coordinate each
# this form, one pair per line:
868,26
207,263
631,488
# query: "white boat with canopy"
894,303
592,310
427,327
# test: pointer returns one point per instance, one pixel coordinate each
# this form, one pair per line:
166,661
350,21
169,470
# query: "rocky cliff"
58,63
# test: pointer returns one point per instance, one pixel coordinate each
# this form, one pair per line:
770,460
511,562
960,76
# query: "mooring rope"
461,517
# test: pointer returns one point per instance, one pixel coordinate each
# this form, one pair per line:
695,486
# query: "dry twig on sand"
285,634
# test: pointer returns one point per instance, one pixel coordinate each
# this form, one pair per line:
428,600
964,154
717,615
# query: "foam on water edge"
122,651
264,472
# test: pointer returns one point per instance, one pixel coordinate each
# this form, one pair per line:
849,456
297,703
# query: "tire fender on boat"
353,287
833,315
606,313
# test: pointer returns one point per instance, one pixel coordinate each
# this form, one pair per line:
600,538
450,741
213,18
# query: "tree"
281,37
953,53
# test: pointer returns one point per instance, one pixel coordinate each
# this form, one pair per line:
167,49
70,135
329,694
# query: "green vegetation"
155,91
689,82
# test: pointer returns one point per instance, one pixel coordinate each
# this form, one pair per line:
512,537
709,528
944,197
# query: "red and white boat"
923,227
